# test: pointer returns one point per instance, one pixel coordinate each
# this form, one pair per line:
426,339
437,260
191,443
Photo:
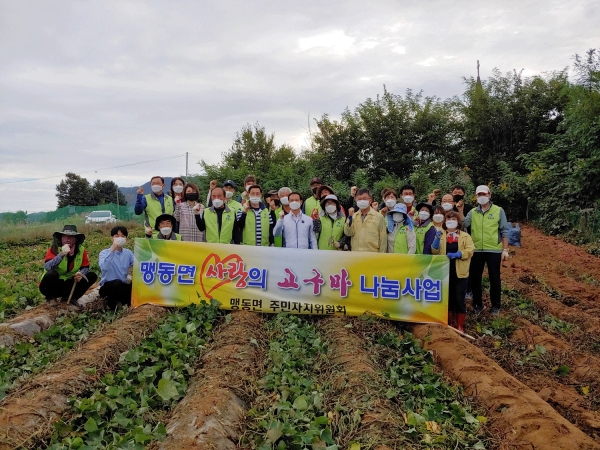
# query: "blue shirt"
115,265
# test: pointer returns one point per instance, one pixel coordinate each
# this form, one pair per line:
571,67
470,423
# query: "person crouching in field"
66,267
458,247
115,262
164,228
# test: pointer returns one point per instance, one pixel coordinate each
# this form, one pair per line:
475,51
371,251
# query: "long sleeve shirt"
298,231
141,204
115,265
52,260
368,233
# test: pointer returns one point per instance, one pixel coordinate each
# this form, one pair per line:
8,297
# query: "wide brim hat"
429,206
330,197
69,230
162,217
322,187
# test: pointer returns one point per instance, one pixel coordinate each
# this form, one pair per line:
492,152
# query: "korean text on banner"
412,288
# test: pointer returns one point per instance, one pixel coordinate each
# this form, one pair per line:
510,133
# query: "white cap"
482,188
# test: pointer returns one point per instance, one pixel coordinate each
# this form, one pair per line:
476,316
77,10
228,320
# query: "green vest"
234,205
177,236
420,232
154,209
63,265
400,242
278,240
484,229
330,228
213,236
249,234
310,204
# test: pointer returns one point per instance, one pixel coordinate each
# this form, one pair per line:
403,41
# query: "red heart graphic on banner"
217,259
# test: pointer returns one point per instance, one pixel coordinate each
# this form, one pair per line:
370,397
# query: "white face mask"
255,200
165,231
398,217
423,215
178,189
120,241
390,202
331,209
362,204
248,187
295,205
451,224
284,201
447,206
156,188
408,199
217,203
438,218
483,200
228,194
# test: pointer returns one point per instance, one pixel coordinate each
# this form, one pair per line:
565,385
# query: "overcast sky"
91,85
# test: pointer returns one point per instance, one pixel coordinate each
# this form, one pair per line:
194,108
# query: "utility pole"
186,166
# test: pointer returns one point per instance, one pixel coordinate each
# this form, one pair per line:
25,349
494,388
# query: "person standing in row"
425,230
329,226
296,227
185,214
458,247
366,227
407,193
489,229
255,221
154,204
66,267
313,202
218,221
401,234
115,263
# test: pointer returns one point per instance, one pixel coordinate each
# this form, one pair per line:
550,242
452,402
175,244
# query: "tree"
106,192
75,191
18,217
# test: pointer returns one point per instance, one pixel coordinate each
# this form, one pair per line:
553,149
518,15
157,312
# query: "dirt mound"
31,411
522,416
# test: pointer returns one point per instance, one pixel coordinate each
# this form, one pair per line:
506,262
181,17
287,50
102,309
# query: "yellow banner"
412,288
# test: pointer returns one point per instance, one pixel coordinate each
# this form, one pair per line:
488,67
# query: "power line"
96,170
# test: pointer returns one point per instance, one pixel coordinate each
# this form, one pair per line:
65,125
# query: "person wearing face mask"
219,220
186,217
425,230
153,204
329,226
65,263
230,198
401,236
458,202
249,181
407,193
164,229
176,191
489,229
458,246
438,217
255,222
390,198
284,205
313,202
366,227
296,227
115,263
273,203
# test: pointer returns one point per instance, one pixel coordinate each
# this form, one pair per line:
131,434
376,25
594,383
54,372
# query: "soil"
28,414
522,417
212,413
356,389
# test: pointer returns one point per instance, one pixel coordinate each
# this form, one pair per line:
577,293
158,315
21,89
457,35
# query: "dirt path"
213,411
356,390
521,415
31,411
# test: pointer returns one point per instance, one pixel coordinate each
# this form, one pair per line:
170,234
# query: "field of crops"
204,378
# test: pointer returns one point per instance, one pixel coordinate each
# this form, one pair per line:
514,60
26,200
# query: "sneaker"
479,309
494,311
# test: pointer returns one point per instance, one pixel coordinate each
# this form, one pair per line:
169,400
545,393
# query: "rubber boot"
460,321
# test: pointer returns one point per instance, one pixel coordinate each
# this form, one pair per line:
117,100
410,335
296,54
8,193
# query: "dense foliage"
534,140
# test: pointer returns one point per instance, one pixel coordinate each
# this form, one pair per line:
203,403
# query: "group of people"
471,237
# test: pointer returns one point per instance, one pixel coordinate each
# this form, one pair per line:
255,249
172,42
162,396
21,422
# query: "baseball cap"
482,188
316,180
229,183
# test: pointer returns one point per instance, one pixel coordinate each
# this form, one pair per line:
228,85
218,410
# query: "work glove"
505,255
456,255
65,249
281,214
148,231
436,241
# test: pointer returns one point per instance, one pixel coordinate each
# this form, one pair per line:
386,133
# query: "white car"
99,217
